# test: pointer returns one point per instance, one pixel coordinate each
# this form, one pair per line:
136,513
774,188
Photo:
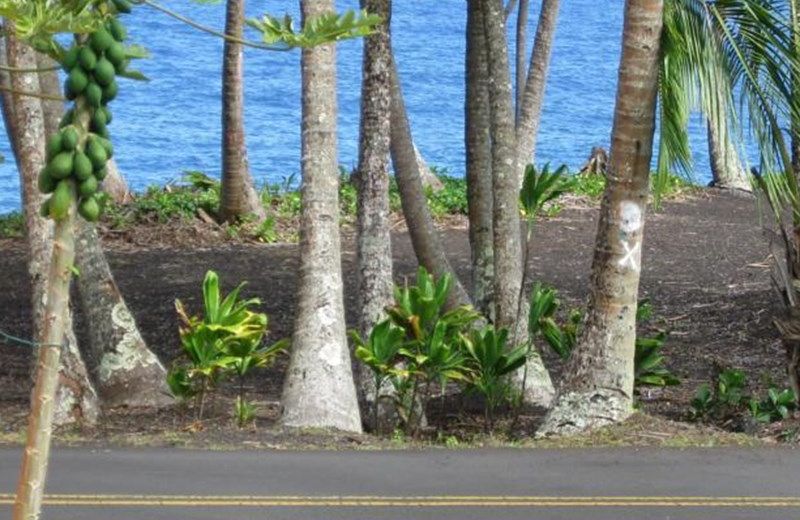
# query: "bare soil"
705,271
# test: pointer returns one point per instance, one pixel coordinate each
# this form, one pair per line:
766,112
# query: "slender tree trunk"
532,97
521,49
127,373
598,385
479,162
374,245
76,399
424,237
727,171
238,194
509,310
319,389
51,384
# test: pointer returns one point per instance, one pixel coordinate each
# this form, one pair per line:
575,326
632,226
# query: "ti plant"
226,340
490,361
418,346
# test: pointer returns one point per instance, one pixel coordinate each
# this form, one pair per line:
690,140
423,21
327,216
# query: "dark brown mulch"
704,270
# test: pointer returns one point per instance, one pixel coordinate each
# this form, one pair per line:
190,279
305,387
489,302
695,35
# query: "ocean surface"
172,123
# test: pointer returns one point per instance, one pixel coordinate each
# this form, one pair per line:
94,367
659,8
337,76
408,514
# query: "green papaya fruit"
97,153
116,54
66,120
88,187
100,40
61,200
117,29
101,174
46,183
110,92
107,112
108,146
44,209
77,81
82,166
53,146
60,166
69,138
94,95
98,126
104,72
89,209
123,6
99,117
87,58
70,58
68,93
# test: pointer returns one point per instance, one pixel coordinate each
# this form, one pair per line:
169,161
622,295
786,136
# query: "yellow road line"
418,502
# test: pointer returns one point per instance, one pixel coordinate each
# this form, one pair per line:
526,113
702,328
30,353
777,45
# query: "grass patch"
12,225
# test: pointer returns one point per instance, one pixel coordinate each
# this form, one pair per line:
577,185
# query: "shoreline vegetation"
195,197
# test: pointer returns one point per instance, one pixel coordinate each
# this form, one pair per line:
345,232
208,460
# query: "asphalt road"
161,484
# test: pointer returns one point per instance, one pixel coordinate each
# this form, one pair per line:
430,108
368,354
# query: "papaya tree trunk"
531,97
52,332
238,194
424,237
76,399
598,385
479,162
319,390
510,310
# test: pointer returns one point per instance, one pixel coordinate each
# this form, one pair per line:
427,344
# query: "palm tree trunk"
598,385
374,244
319,389
238,194
532,98
424,237
727,171
509,309
479,162
76,399
521,51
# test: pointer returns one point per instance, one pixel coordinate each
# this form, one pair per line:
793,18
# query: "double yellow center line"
184,501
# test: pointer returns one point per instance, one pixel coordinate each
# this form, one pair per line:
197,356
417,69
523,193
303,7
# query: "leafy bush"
490,361
12,225
775,407
226,340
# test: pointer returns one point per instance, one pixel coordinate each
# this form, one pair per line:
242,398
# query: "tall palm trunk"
374,245
76,399
521,52
598,385
424,237
509,309
319,389
479,162
238,194
531,99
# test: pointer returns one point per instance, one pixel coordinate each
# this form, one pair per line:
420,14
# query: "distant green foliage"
12,225
451,199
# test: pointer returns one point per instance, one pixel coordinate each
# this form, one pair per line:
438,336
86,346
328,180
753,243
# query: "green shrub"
12,225
226,340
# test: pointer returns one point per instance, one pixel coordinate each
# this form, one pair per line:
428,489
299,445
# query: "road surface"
162,484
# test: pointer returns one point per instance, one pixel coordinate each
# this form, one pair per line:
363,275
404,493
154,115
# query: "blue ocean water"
172,123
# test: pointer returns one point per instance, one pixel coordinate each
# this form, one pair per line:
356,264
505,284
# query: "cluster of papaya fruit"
78,153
